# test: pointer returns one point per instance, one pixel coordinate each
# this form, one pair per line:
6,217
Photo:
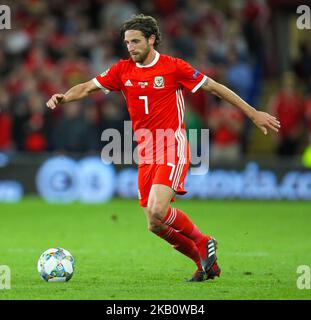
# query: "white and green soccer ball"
56,265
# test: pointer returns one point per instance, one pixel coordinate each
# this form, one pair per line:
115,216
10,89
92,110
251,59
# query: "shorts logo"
158,82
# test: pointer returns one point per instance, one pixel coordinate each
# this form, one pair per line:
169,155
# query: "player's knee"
155,226
156,211
155,216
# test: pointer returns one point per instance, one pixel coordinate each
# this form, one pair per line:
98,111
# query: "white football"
56,265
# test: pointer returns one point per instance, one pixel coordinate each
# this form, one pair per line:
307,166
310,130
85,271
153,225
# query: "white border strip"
181,140
199,85
153,62
100,86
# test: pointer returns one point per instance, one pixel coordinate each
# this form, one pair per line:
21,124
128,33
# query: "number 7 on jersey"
145,98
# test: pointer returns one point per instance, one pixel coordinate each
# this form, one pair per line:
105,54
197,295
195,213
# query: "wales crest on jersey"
158,82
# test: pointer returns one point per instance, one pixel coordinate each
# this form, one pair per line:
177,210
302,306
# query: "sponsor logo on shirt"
143,84
158,82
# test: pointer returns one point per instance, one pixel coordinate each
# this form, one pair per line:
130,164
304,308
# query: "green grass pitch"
261,244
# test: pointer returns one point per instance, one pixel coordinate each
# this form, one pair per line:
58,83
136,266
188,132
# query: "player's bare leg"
158,203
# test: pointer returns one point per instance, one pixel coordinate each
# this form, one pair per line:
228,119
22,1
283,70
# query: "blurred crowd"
54,45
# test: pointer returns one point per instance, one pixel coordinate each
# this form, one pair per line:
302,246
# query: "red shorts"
169,174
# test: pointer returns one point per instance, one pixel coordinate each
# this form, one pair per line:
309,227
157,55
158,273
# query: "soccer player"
153,86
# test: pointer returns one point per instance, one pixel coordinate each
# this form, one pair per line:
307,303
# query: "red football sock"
181,222
181,244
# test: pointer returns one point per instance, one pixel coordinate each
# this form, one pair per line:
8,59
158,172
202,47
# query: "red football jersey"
154,96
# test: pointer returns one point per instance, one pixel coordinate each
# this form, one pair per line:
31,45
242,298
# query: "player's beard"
141,57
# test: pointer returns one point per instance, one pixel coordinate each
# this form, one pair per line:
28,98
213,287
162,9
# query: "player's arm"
75,93
261,119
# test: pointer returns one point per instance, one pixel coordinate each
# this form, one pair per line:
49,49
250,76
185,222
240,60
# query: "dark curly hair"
146,24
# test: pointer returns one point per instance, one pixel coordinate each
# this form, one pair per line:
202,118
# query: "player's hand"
265,120
55,100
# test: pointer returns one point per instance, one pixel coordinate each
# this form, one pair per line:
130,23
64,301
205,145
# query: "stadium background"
254,47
